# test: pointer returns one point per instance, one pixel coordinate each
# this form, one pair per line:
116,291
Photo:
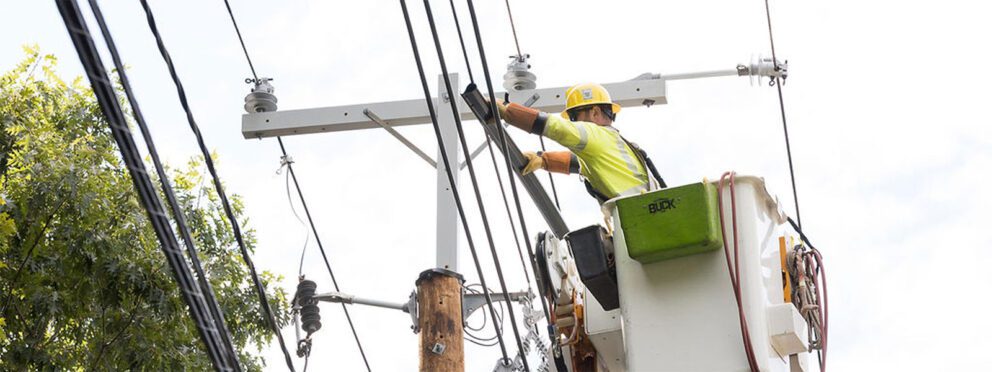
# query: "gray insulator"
518,76
309,312
261,98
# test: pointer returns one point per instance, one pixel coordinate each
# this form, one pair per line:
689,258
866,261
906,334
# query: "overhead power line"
492,154
781,106
241,39
167,190
451,180
509,168
461,40
323,254
235,226
103,89
475,182
303,201
514,28
520,57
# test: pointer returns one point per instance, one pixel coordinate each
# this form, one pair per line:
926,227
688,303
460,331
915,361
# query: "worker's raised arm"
573,135
523,117
564,162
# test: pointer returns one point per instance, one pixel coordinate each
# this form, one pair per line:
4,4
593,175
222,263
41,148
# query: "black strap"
647,162
595,193
643,157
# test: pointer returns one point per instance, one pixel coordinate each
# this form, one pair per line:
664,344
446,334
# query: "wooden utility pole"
439,299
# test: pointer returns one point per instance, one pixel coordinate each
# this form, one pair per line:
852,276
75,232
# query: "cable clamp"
284,161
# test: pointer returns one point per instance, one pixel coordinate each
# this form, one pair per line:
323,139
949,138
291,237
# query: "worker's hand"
534,161
501,106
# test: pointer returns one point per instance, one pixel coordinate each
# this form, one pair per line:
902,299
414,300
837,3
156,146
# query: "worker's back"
609,164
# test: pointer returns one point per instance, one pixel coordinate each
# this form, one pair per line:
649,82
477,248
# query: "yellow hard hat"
585,95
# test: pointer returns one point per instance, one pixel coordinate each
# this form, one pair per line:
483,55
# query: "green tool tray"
670,223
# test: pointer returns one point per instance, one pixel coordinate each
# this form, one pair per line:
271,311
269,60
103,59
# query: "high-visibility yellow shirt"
605,159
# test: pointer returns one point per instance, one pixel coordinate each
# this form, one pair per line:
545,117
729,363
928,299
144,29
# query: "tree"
83,280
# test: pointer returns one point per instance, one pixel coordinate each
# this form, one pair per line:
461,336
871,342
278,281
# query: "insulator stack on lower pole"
309,312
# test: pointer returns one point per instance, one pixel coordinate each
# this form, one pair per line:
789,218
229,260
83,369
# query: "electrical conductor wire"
241,39
514,28
506,205
781,105
448,171
461,40
245,255
167,190
323,254
475,183
303,202
492,155
503,135
306,241
147,194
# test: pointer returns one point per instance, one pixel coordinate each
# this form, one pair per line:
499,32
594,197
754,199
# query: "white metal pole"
447,212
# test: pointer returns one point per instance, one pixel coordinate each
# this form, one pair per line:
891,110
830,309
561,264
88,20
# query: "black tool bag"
592,248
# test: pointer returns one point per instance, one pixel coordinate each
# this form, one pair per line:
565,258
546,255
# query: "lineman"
609,165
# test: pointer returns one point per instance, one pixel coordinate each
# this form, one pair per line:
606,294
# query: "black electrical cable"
323,253
167,190
516,41
510,171
458,27
303,201
551,177
242,40
259,287
781,106
506,205
475,182
147,194
514,28
451,179
499,178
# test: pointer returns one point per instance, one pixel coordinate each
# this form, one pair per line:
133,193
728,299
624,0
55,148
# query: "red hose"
819,279
734,269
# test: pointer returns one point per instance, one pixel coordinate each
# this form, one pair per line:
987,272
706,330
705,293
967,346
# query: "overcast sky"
888,105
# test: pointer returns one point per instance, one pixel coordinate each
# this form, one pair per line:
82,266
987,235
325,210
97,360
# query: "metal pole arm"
474,301
343,298
760,67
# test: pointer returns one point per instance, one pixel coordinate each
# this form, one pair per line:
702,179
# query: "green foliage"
83,280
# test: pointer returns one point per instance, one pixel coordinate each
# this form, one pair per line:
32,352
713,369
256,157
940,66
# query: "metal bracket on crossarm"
473,301
376,119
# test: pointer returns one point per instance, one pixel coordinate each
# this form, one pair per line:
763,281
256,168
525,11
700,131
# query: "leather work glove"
534,161
501,106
